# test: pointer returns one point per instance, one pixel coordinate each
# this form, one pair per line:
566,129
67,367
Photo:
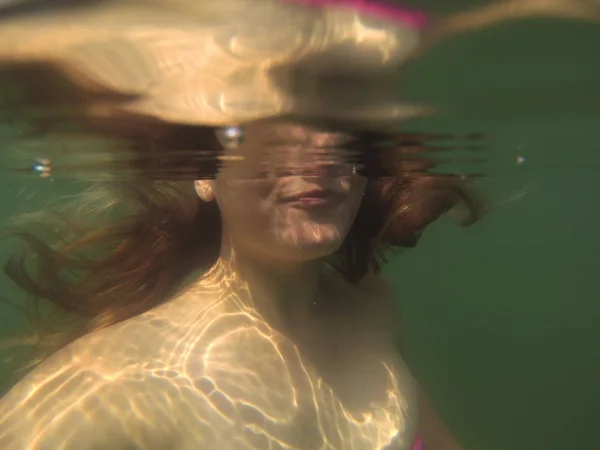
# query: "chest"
336,386
332,392
359,378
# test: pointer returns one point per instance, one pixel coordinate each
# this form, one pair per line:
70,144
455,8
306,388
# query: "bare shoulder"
171,378
105,390
376,284
66,403
379,298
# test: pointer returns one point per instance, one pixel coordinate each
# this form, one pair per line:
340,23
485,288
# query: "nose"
331,169
316,171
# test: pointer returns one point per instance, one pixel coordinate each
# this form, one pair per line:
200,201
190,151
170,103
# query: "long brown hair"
108,272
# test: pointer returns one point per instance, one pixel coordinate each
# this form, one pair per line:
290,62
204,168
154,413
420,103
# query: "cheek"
244,204
358,185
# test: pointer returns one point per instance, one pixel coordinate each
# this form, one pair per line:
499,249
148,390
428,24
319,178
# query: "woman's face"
288,193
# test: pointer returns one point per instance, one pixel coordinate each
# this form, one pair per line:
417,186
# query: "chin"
299,255
313,241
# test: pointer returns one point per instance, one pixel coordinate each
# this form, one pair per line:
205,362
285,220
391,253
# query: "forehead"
267,134
285,144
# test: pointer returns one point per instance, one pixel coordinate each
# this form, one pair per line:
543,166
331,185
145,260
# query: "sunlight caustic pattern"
208,373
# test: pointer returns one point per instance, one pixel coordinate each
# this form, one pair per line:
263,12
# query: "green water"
500,320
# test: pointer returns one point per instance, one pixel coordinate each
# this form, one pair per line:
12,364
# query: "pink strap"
408,17
418,445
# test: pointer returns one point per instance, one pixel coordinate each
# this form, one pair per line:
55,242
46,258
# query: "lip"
313,198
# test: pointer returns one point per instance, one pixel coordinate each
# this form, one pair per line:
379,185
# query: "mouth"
313,198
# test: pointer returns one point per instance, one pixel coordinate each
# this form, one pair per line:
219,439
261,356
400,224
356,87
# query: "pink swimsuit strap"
418,445
408,17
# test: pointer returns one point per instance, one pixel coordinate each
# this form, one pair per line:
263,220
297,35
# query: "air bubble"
231,136
43,167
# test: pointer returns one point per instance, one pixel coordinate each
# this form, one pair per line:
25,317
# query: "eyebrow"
305,136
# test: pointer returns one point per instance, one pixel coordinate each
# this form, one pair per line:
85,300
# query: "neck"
282,293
